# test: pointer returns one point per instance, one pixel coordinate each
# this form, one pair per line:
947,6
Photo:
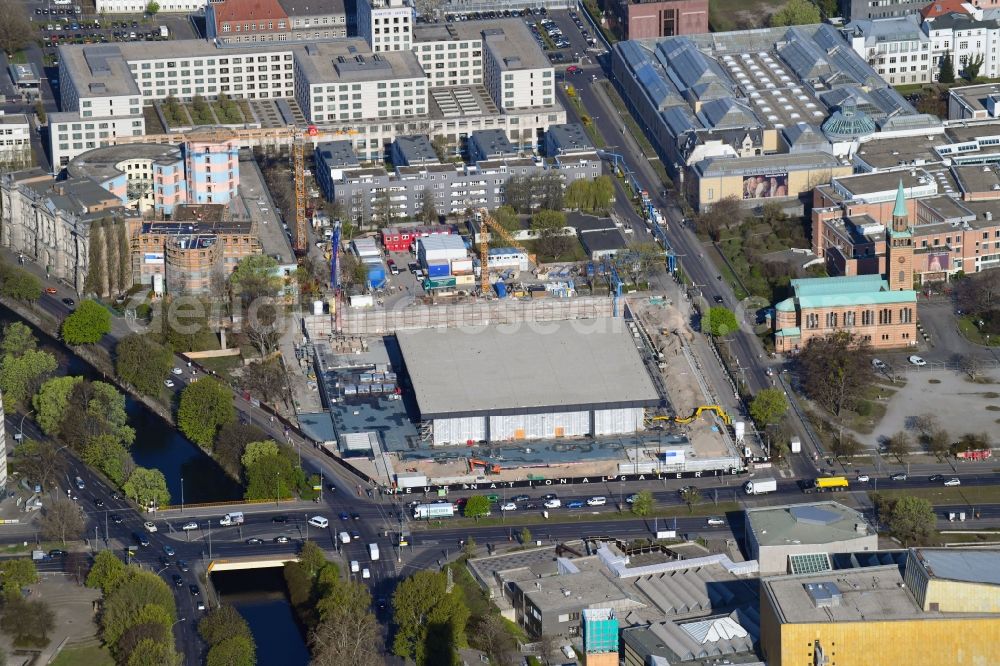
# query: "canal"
261,597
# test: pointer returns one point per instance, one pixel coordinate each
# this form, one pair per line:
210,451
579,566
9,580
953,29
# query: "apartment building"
343,81
15,141
451,54
139,6
237,21
897,48
515,71
386,24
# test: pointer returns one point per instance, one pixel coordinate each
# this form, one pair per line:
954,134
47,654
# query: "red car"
50,290
572,68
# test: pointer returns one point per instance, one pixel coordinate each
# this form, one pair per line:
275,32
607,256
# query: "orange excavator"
488,467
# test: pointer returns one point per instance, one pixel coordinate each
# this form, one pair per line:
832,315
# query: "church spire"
900,209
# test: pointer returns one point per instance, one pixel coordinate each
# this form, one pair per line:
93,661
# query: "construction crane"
486,220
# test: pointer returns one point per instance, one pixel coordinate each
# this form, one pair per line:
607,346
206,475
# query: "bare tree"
347,638
937,443
491,636
972,366
15,30
61,519
898,445
836,369
925,424
547,645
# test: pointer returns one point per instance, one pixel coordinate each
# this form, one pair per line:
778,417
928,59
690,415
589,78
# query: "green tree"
233,651
937,442
21,376
107,573
17,339
153,8
28,622
16,574
946,73
643,503
147,487
87,324
835,370
232,441
96,279
141,597
430,621
95,409
152,652
255,276
525,536
183,324
507,218
910,519
476,506
796,12
312,558
205,406
51,402
106,453
972,67
270,476
548,220
256,451
768,406
19,284
142,362
221,623
721,322
62,518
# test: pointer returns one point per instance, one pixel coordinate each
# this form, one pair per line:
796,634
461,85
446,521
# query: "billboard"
765,187
938,261
152,257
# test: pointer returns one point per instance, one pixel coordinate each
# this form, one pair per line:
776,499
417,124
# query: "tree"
266,379
548,220
643,503
547,646
430,620
972,67
525,536
550,246
590,196
108,454
768,406
233,651
205,406
270,475
17,339
95,409
507,218
348,632
153,8
898,445
222,622
972,366
721,215
262,324
925,424
15,29
87,324
691,496
971,442
141,597
796,12
41,462
28,622
937,442
428,209
256,451
142,362
845,445
312,558
107,573
721,321
20,376
17,574
476,506
440,145
383,211
518,193
61,518
183,325
254,277
910,519
947,70
492,637
51,402
230,443
978,293
147,487
836,370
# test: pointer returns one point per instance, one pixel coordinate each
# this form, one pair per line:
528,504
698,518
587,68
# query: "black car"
519,498
355,516
194,590
936,477
182,565
178,581
57,552
115,496
116,519
254,541
550,496
141,539
717,298
98,502
279,519
69,301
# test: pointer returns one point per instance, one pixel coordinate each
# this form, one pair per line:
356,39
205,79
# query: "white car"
365,573
319,521
355,567
597,501
553,503
863,478
879,365
509,506
200,605
917,361
716,522
189,526
345,537
169,383
150,526
177,371
953,481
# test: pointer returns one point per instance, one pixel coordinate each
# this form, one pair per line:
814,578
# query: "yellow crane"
486,220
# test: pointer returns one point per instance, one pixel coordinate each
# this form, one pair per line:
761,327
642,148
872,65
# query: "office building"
386,24
941,607
239,21
15,141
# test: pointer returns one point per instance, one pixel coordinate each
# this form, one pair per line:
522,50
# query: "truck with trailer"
826,484
438,510
760,486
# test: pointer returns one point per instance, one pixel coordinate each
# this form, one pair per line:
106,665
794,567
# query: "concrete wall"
774,559
667,19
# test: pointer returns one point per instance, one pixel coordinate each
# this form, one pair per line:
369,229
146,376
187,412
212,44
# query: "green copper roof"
848,290
900,209
793,332
787,305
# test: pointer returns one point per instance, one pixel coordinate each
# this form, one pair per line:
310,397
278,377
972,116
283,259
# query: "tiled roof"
239,11
941,7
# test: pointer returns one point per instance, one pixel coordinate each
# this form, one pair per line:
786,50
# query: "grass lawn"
575,252
967,327
92,655
222,365
724,15
969,537
19,58
962,496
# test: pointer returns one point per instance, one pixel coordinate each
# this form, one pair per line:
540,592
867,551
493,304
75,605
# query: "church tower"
899,249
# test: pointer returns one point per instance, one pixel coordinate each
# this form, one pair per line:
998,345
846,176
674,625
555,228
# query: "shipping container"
438,270
461,267
440,248
463,280
439,283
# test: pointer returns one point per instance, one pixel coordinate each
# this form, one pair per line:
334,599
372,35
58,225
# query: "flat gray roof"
337,154
350,59
102,163
907,151
569,138
508,39
313,8
99,70
975,96
819,522
966,565
492,370
764,164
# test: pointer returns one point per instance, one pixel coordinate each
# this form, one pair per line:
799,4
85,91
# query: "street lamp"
182,495
178,622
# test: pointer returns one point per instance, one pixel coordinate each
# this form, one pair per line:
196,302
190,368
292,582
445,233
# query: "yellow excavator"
719,411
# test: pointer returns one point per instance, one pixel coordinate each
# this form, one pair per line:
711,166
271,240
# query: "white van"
373,551
597,501
319,521
345,537
235,518
355,567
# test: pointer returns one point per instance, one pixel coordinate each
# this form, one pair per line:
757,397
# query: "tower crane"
486,220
